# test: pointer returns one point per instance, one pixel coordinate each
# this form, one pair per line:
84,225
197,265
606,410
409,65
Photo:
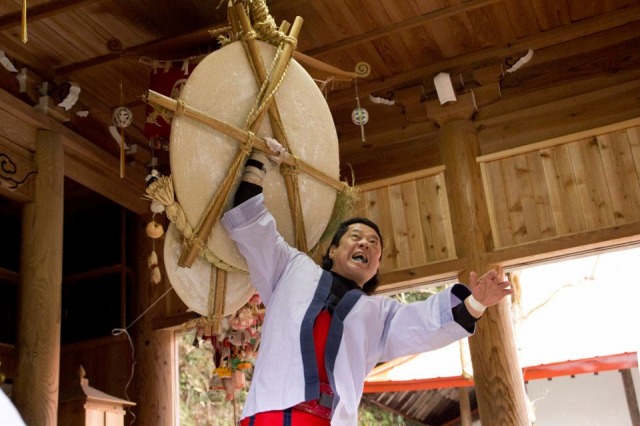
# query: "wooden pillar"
497,375
465,407
35,391
632,399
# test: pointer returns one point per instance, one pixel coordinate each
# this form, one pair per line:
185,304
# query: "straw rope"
263,99
213,212
217,298
267,26
162,191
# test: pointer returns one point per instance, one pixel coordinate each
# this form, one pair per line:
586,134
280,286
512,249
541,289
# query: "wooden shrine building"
536,157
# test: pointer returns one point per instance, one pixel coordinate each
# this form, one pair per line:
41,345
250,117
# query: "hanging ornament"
360,116
152,263
122,117
156,206
156,276
152,260
154,230
152,176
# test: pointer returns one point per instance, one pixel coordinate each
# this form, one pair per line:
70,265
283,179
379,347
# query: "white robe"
364,329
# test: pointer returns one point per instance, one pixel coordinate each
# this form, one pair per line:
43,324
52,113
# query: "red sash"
289,417
312,413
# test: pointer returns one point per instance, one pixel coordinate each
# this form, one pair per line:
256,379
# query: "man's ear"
332,248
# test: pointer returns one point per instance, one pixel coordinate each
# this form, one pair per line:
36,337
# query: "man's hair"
327,263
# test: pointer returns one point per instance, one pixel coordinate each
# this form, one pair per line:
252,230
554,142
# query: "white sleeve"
253,229
420,326
9,416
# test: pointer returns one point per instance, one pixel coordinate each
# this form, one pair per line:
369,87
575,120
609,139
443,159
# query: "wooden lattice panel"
564,186
413,215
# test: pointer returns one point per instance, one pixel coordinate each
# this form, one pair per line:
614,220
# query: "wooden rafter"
468,61
403,26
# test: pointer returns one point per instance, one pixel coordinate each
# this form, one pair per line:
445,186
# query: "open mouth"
360,258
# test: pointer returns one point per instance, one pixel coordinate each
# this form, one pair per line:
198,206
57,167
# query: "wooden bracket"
462,109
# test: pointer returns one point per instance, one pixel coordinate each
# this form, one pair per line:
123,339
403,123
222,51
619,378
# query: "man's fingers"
274,146
473,278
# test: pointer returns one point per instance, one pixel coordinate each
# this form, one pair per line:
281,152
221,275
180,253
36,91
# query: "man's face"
357,256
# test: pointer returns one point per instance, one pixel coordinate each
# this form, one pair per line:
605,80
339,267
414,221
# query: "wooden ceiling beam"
41,11
84,162
495,54
399,135
187,43
21,57
388,161
625,235
402,26
172,43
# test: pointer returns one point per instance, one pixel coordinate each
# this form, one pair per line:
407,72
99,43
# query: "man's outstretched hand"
489,289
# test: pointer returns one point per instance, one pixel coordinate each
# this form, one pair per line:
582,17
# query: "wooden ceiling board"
547,14
75,38
363,16
338,20
10,7
47,44
170,17
314,31
382,14
488,27
517,19
394,53
124,13
106,16
400,11
579,9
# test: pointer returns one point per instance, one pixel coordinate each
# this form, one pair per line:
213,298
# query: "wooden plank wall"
574,184
564,186
412,212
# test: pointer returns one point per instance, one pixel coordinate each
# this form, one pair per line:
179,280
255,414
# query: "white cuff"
475,305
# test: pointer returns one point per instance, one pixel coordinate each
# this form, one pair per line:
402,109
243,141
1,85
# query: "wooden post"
632,399
465,407
498,378
38,345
